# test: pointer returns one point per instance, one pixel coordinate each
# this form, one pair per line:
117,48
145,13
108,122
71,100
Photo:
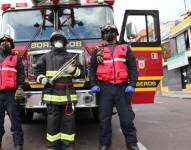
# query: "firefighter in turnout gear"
59,94
12,79
113,77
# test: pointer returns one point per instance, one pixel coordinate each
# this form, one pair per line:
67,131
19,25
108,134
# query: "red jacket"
8,73
114,67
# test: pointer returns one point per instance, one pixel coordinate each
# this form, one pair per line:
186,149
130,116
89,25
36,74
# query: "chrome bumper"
86,99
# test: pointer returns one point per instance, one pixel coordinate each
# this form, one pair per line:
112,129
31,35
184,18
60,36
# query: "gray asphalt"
165,125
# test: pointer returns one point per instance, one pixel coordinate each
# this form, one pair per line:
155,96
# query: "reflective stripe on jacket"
114,67
8,73
58,98
61,91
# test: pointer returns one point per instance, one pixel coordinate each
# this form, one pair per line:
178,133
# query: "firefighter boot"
104,148
132,147
19,147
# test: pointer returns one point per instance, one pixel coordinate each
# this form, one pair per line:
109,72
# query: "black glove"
99,55
19,94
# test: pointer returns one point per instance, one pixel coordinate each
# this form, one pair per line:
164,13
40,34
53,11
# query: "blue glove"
65,70
129,89
69,69
44,81
95,89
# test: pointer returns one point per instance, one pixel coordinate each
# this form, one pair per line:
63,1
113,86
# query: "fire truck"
31,27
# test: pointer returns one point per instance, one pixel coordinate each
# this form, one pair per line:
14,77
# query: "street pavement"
165,125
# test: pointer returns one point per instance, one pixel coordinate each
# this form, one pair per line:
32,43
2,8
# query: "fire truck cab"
31,27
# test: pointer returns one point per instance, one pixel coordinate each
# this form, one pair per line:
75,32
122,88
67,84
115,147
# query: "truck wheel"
95,113
26,115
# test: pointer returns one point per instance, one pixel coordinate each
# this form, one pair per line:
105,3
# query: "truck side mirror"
131,31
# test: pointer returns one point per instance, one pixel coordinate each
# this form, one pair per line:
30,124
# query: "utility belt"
63,86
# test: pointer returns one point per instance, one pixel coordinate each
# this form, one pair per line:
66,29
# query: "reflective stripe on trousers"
60,136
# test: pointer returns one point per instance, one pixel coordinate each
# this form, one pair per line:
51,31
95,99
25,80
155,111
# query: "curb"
184,96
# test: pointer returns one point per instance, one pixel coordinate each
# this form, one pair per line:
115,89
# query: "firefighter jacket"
11,73
62,90
119,66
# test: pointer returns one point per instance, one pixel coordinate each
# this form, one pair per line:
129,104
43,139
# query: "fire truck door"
141,31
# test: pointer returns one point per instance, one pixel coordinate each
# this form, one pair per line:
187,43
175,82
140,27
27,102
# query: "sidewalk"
179,94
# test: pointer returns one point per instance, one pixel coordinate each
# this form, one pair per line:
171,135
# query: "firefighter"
113,76
12,78
59,95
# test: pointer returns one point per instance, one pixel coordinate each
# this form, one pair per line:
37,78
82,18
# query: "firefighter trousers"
110,95
60,127
8,103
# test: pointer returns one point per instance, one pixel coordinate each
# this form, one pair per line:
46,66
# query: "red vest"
8,73
114,68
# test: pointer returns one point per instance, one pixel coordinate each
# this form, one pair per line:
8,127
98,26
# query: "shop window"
181,42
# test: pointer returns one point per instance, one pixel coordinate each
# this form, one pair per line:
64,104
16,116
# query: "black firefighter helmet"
7,38
109,27
58,35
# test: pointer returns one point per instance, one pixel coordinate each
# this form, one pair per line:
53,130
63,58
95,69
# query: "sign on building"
177,61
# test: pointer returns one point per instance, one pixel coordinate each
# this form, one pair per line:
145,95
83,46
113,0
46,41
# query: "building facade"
177,57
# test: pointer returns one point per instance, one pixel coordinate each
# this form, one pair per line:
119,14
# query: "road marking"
141,146
159,102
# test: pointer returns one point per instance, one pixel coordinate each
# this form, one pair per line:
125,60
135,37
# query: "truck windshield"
83,24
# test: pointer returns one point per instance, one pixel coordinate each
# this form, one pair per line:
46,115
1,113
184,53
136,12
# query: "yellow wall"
181,26
189,87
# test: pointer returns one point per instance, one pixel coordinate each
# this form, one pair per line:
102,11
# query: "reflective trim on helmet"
109,26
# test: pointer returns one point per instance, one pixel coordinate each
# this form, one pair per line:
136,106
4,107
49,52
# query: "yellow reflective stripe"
52,73
73,97
78,84
78,72
158,49
53,138
145,89
62,136
150,77
39,77
57,98
68,137
36,86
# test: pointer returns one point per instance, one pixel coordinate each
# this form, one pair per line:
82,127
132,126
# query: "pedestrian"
12,76
114,76
59,94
